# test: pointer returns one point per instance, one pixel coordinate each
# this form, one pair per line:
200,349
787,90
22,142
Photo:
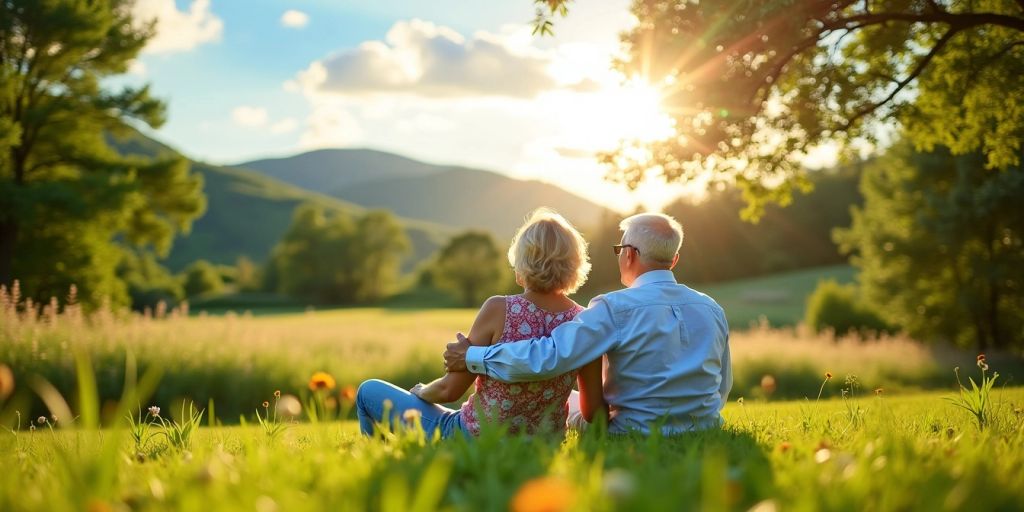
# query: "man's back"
670,363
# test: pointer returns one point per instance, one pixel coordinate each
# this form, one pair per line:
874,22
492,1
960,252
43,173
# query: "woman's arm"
592,404
487,327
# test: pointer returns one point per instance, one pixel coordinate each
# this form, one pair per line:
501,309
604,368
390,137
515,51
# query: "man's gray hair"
655,235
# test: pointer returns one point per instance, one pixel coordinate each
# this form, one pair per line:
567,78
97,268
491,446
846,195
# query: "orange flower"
828,375
785,446
348,394
545,494
6,382
321,381
768,385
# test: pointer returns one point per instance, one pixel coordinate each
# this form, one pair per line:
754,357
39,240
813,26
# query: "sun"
635,111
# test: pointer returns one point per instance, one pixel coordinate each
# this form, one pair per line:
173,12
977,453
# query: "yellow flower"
545,494
411,415
321,381
828,375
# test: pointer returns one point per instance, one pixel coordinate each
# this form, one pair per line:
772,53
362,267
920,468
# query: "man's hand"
418,389
455,354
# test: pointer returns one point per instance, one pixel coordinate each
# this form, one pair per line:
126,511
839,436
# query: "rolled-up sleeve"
571,345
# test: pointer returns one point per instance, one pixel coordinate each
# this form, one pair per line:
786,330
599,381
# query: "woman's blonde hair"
549,254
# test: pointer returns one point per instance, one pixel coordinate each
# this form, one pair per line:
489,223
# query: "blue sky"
443,81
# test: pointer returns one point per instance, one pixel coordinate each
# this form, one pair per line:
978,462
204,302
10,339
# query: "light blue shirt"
667,349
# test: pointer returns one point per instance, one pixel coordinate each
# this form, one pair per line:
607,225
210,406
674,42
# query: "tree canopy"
67,200
333,257
472,266
940,246
753,85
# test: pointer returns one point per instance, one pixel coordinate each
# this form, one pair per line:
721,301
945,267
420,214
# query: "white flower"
154,410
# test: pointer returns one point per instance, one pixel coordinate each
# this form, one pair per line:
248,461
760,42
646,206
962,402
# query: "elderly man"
666,345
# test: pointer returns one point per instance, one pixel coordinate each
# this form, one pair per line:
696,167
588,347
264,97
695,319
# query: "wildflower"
878,392
277,394
40,420
828,375
289,406
266,404
6,382
411,415
54,418
981,358
739,400
348,394
822,456
547,494
154,411
619,484
321,381
768,385
31,428
785,446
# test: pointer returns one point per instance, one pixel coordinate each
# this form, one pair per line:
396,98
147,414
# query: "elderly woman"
550,261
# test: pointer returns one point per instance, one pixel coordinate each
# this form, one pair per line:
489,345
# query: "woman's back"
527,406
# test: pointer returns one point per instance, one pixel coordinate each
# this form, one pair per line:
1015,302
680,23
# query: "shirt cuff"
475,360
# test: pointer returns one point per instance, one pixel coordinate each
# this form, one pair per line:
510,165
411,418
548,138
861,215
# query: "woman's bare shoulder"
490,321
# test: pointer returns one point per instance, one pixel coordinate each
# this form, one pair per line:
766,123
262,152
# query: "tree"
202,278
67,200
383,242
472,266
754,85
148,282
335,258
940,246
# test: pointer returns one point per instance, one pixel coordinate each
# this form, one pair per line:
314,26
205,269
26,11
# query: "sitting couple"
655,354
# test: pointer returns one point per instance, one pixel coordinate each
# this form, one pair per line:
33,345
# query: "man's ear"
675,259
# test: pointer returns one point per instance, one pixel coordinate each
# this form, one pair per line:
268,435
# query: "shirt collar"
654,276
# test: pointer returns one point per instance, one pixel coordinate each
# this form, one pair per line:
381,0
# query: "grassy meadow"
876,439
867,453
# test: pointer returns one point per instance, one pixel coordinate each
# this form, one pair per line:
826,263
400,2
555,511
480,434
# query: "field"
868,453
779,299
877,439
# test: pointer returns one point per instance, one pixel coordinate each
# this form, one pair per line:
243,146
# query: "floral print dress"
526,406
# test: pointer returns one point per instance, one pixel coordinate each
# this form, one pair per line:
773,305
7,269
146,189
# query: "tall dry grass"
239,360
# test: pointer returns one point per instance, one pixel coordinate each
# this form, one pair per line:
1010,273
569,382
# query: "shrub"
839,307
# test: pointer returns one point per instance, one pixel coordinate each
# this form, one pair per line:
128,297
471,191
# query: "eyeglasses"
618,248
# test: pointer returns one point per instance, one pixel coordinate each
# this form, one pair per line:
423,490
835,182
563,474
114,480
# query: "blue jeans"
370,409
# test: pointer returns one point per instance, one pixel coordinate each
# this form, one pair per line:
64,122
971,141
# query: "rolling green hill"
460,197
248,212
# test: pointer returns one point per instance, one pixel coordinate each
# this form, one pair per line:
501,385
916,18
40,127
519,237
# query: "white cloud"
420,58
286,125
294,19
178,31
331,124
249,117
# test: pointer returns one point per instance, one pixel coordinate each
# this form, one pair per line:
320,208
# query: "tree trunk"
8,237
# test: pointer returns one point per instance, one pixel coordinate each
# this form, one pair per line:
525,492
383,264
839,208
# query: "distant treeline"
718,245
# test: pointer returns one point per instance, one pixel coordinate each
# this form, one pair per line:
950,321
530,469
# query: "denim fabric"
370,409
